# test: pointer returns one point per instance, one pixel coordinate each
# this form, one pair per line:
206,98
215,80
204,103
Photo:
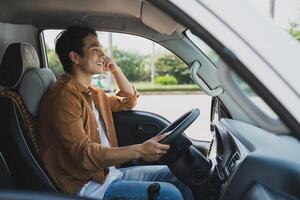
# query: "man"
78,142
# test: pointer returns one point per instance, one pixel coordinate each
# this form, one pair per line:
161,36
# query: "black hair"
71,40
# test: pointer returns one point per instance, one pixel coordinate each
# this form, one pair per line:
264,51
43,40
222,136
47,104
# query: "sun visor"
157,20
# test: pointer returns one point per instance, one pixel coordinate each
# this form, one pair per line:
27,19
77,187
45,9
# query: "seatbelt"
153,191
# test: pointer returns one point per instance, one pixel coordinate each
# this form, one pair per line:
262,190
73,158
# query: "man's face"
91,62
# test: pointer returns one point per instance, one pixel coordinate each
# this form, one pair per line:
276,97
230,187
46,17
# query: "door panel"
134,127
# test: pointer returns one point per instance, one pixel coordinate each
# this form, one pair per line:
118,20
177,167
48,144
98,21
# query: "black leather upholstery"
5,175
26,169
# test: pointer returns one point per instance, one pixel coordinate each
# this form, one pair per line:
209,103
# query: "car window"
284,13
209,52
243,86
158,74
257,100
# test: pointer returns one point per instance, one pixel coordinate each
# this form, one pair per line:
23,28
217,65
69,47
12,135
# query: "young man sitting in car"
78,142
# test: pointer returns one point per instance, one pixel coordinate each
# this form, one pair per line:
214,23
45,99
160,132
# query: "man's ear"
74,57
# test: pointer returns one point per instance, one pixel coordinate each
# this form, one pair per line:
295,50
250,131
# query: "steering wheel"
176,138
176,128
186,162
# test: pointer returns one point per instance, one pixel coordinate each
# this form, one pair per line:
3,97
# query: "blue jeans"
135,182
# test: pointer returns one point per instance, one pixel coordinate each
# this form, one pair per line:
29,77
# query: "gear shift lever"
153,191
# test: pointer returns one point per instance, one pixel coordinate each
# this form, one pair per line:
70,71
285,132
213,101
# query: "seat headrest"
34,84
17,58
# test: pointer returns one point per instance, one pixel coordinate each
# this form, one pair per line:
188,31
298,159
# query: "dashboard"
254,163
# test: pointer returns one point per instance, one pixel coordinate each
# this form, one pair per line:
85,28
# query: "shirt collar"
79,86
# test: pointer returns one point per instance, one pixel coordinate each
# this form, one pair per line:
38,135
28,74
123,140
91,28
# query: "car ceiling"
97,13
59,12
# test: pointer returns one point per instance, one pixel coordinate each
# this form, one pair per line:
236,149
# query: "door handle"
147,128
194,75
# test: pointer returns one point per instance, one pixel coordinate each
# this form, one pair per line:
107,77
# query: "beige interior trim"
157,20
113,14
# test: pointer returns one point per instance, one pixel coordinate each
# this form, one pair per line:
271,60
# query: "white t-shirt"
93,189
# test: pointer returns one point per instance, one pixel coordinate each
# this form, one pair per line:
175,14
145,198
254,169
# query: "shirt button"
97,129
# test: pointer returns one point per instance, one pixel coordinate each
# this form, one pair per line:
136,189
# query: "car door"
134,127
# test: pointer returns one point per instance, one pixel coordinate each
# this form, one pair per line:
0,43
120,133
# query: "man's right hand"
152,150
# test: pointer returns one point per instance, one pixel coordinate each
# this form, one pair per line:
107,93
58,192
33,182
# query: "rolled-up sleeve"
123,101
67,124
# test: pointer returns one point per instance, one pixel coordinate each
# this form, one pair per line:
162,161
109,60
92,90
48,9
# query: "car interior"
251,155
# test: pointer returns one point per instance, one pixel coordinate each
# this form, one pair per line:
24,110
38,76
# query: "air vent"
231,161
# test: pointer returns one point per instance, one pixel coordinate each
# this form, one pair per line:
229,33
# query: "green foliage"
132,64
165,80
294,31
170,64
54,63
136,66
148,87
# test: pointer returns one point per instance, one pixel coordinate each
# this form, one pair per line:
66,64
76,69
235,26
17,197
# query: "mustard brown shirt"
70,145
